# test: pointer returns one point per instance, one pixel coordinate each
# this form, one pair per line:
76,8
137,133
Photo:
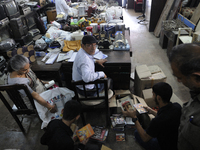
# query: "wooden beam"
163,17
175,10
186,21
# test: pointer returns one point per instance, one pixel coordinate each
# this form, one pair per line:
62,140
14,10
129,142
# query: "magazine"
117,120
85,132
100,133
126,101
139,107
120,137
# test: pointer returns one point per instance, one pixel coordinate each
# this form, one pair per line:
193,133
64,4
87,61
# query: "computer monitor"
11,9
5,32
30,20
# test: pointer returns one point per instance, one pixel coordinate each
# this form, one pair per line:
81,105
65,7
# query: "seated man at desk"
84,66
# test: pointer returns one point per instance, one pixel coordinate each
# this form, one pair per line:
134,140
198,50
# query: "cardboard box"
196,37
146,77
148,98
51,15
40,2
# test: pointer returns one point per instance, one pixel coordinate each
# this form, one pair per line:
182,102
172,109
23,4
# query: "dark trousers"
150,145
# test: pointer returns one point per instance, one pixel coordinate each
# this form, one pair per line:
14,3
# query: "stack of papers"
52,58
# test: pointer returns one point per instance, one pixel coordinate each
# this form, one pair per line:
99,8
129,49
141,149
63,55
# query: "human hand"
105,76
101,61
84,141
53,108
44,82
150,111
129,113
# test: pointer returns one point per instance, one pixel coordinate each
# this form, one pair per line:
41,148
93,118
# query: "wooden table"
47,72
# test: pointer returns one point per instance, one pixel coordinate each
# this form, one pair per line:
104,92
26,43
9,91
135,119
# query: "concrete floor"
146,50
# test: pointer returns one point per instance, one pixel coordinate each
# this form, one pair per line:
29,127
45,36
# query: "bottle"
72,20
39,54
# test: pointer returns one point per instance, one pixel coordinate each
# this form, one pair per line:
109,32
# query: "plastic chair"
184,38
89,103
15,97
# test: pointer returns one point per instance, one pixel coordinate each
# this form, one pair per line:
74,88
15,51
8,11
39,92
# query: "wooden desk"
47,72
117,67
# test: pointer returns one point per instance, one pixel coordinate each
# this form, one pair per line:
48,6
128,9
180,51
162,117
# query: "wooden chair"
15,96
89,103
184,38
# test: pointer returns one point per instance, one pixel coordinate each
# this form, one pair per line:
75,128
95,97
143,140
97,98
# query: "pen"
191,118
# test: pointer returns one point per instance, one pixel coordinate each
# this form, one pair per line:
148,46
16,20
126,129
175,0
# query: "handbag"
71,45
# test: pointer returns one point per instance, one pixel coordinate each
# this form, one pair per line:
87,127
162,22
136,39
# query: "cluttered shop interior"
96,74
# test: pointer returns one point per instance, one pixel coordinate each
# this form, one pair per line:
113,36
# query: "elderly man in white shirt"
84,65
62,6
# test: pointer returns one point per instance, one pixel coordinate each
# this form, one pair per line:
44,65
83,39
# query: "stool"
168,38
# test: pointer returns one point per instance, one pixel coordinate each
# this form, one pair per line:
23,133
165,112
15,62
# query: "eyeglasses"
91,45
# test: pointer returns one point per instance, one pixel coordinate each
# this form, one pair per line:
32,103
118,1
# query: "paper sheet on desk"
64,56
52,58
100,55
73,57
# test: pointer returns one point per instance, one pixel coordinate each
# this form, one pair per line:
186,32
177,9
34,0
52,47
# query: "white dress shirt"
61,6
84,69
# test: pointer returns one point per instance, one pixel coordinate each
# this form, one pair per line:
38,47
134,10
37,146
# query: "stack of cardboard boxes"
146,77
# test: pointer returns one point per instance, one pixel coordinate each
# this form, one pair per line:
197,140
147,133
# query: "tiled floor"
146,50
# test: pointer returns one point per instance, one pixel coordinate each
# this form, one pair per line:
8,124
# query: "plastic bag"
54,32
40,44
58,96
73,12
65,35
118,12
110,14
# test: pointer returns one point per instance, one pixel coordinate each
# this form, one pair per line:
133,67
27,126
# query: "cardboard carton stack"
146,77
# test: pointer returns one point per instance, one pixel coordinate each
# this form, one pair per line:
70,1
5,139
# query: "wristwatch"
134,119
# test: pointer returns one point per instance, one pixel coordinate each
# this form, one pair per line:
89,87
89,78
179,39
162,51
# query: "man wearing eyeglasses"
84,65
